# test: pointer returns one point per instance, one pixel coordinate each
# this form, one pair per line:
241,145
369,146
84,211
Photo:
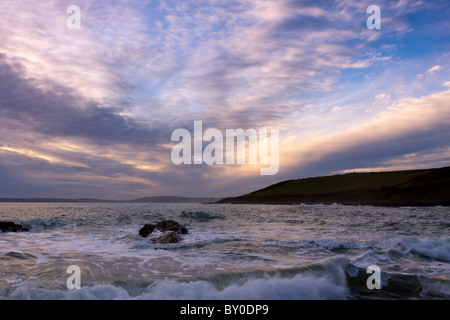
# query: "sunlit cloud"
37,155
91,111
414,123
434,69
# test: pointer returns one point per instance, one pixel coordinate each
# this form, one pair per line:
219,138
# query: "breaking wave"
41,224
324,281
435,249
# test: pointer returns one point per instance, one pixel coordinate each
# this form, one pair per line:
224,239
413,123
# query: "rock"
170,225
184,230
6,226
173,228
171,237
146,230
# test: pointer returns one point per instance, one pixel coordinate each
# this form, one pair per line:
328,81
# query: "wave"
332,278
41,224
335,246
201,216
185,244
326,282
297,288
17,255
436,287
435,249
398,285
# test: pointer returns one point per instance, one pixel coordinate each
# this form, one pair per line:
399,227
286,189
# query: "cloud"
94,61
92,110
383,96
57,111
338,108
255,60
434,69
408,126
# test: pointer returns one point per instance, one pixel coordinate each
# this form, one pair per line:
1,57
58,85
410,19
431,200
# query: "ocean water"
251,252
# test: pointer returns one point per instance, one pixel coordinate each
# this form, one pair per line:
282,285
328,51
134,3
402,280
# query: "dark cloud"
58,111
377,153
217,64
310,3
301,23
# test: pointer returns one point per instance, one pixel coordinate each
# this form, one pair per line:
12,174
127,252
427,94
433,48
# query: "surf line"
191,310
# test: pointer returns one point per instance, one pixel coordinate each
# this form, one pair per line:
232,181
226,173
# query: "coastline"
412,188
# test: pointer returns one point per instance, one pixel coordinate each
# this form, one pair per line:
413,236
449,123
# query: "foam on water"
231,251
437,249
259,289
327,283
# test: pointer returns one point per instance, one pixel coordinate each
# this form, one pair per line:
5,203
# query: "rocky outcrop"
6,226
173,228
146,230
171,237
170,225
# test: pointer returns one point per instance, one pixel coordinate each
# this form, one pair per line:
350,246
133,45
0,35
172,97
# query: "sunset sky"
90,112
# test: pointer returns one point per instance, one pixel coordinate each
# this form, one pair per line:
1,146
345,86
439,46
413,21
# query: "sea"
232,252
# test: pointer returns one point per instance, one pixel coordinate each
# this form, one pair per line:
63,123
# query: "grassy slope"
414,187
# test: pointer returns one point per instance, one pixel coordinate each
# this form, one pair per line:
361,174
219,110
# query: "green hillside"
396,188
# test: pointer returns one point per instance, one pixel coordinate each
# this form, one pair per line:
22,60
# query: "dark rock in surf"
146,230
171,237
6,226
173,228
170,225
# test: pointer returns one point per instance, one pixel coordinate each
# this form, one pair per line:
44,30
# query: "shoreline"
411,188
384,205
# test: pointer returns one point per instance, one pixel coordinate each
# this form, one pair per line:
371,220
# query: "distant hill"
55,200
174,200
167,199
428,187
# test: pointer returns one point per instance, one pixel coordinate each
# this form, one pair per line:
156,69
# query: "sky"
90,112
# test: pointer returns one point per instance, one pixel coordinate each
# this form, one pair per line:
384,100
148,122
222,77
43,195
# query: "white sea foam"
297,288
274,244
437,249
271,288
324,244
